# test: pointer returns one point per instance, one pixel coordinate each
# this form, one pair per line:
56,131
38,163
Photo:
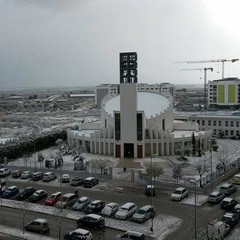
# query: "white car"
65,178
126,211
26,174
110,209
4,172
179,194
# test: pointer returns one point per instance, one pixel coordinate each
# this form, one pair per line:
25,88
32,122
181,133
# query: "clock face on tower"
128,67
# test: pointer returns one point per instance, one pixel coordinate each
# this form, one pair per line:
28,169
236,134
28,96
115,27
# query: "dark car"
216,197
227,189
37,176
228,203
76,181
16,173
10,192
231,219
25,194
90,182
91,220
95,206
78,234
237,210
150,190
38,196
38,225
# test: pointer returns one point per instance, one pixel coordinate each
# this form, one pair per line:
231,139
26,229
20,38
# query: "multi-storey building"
224,93
165,89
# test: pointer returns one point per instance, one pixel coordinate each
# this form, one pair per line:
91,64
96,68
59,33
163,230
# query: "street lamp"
195,207
153,155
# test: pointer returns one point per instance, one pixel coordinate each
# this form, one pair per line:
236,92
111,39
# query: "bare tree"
153,170
223,159
99,163
177,172
201,165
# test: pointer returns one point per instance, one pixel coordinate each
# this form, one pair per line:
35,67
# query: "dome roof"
151,103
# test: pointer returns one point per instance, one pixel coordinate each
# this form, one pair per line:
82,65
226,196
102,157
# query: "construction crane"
214,60
205,81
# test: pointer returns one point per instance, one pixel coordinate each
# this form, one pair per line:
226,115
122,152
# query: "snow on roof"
150,103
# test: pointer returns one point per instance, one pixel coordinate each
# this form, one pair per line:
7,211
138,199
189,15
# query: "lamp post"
195,208
211,179
153,155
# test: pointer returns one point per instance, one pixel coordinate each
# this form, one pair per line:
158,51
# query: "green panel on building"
231,93
220,93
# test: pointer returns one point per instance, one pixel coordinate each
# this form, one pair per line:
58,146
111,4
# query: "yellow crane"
205,81
214,60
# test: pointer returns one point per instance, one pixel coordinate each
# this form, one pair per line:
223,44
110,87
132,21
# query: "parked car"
150,190
76,181
228,203
37,176
143,214
237,210
179,194
81,203
236,179
38,225
25,194
16,173
91,220
110,209
65,178
49,176
231,219
4,172
227,189
78,234
216,197
131,235
126,210
26,175
95,206
11,192
53,198
67,200
38,196
90,182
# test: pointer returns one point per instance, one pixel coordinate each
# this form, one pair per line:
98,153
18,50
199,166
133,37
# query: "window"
237,124
139,127
232,123
214,123
203,122
226,132
219,123
226,123
232,132
117,126
209,122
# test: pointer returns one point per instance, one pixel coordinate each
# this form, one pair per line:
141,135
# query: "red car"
53,198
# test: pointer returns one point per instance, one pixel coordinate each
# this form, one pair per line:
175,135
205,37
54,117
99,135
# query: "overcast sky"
46,43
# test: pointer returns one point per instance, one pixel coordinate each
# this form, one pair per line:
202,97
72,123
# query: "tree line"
27,144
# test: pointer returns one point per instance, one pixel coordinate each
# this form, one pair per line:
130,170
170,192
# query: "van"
217,229
67,200
49,176
90,182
